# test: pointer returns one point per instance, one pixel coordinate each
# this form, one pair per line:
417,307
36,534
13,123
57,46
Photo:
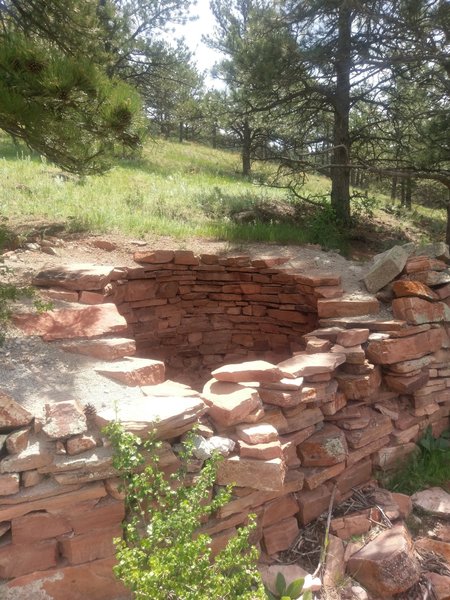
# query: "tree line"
356,90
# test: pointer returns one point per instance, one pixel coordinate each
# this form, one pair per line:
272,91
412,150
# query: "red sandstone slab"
9,484
289,316
302,365
352,337
357,455
347,307
154,256
264,475
64,419
261,451
37,454
260,433
12,415
84,321
405,287
257,370
356,387
325,448
315,477
80,276
20,559
391,351
280,536
417,311
135,371
91,581
105,349
229,403
61,294
37,527
379,426
169,418
405,384
84,548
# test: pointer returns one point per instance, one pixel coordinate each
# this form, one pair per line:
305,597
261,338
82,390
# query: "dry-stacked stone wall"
354,395
199,312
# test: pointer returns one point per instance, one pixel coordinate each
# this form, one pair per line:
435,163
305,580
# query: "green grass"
427,468
178,190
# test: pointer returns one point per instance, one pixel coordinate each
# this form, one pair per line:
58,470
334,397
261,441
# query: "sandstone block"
386,268
417,311
257,370
314,477
105,349
264,451
75,277
405,287
407,384
265,475
12,415
79,444
386,565
302,365
353,476
170,418
435,501
229,403
36,454
257,434
94,580
379,427
347,307
279,509
17,441
325,448
356,387
9,484
64,419
90,546
20,559
154,256
389,351
37,527
313,503
280,536
83,321
135,371
352,337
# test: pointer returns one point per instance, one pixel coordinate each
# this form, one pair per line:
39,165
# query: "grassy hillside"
179,190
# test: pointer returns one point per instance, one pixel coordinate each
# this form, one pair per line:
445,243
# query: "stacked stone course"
348,393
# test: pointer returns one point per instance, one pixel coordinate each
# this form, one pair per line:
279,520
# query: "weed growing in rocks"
427,468
164,555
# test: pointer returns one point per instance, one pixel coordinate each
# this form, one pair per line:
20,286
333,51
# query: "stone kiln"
355,396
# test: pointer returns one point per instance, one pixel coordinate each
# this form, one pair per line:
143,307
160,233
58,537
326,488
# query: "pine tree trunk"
340,173
408,193
246,149
394,189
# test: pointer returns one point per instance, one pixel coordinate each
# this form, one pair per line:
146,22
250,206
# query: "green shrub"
289,592
429,467
163,556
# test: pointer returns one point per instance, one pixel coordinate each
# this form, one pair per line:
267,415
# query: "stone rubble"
307,391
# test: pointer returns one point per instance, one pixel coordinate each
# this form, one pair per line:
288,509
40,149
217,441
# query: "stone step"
349,306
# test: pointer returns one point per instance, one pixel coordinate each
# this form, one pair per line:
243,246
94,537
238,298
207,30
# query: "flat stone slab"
435,501
78,276
229,403
66,323
64,419
255,370
265,475
104,349
303,365
135,371
170,418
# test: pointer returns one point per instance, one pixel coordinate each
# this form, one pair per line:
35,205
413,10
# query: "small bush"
163,556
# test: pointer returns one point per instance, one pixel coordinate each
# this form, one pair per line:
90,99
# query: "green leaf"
307,595
295,588
280,584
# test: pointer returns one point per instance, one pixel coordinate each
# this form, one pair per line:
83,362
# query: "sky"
192,32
